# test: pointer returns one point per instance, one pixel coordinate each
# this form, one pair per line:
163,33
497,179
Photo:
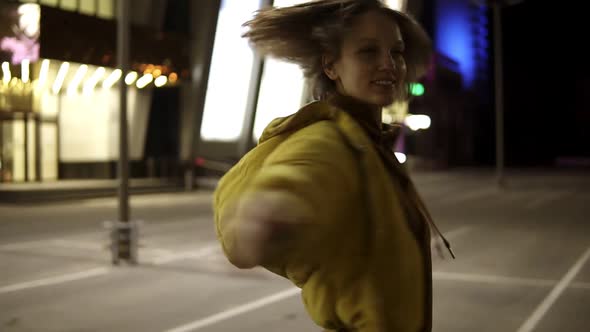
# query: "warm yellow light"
112,79
157,72
6,75
90,84
148,69
43,73
173,77
14,82
396,4
387,118
78,77
25,75
144,81
160,81
130,78
61,76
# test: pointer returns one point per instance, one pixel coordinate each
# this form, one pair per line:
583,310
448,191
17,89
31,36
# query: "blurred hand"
264,223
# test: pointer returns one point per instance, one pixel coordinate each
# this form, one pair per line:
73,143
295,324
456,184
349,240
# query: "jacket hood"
309,114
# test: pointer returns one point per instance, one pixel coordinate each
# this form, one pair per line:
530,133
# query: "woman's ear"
328,67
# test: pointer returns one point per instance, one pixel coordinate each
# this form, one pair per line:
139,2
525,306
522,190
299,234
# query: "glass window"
230,73
281,88
13,146
281,93
49,154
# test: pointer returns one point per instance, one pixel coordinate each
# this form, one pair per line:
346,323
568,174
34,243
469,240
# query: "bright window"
281,88
281,93
230,74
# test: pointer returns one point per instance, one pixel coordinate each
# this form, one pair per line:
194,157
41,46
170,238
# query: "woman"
322,199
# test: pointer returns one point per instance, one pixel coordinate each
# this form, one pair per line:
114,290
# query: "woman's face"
371,66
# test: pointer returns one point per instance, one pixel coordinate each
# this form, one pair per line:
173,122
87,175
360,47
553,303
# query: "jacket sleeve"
313,169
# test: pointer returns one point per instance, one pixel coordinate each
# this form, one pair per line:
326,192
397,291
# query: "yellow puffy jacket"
360,266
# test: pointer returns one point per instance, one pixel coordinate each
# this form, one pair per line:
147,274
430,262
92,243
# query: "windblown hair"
303,33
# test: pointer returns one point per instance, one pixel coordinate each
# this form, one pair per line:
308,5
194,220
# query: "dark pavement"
522,263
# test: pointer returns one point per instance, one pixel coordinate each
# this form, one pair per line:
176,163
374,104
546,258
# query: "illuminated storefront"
59,101
19,124
58,95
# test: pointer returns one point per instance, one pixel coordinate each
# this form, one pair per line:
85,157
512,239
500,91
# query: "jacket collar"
358,124
380,133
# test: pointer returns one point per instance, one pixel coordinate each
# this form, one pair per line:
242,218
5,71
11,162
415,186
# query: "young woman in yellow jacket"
322,200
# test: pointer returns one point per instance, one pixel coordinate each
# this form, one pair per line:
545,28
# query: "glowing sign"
23,43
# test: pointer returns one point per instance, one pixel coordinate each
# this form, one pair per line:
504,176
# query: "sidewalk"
33,192
78,189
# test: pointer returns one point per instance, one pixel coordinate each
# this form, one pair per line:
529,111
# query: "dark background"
547,83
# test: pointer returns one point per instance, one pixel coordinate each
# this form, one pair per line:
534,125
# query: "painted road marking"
55,280
563,284
242,309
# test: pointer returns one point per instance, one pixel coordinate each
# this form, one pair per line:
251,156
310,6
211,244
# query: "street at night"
522,263
119,117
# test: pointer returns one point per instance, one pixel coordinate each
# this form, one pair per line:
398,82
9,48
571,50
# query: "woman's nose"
387,62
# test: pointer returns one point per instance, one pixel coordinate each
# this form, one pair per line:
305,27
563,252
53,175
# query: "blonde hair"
303,33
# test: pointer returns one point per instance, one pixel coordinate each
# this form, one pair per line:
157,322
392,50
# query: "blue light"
453,36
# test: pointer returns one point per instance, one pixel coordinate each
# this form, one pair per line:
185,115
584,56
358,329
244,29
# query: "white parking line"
163,255
23,245
63,243
196,254
224,315
469,195
581,285
84,245
542,309
55,280
511,281
546,198
456,232
491,279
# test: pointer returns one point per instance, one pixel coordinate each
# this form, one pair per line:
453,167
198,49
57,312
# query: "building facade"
197,91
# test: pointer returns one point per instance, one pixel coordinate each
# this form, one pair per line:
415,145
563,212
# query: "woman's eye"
369,50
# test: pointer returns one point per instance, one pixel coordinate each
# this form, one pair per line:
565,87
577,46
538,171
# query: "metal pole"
499,92
246,141
38,156
27,145
123,237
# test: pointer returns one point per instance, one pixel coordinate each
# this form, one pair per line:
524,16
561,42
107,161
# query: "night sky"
547,83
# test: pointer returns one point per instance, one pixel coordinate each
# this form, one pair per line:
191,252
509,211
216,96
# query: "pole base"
124,241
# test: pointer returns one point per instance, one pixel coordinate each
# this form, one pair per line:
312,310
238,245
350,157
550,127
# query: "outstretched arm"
267,215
